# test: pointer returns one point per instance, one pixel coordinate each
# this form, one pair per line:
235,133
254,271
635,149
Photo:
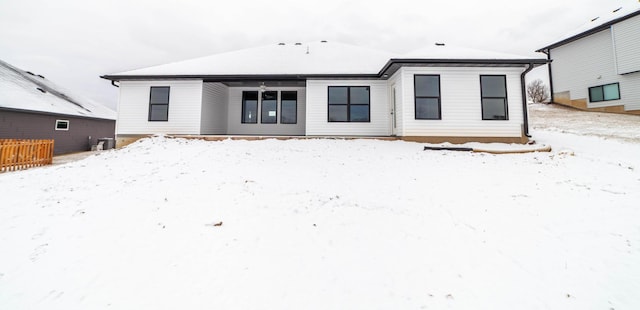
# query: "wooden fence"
17,154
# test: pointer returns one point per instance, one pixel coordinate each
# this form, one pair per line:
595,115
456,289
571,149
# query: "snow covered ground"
326,224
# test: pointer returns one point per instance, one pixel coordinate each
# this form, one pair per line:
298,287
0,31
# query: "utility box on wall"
107,143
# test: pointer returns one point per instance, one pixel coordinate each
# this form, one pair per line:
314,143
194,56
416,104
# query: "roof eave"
239,77
535,61
302,77
587,32
104,118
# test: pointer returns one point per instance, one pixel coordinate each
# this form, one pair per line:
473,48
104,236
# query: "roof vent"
30,73
616,10
593,20
323,41
41,90
439,44
41,76
298,43
280,43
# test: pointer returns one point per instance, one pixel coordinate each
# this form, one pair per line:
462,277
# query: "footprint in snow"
38,251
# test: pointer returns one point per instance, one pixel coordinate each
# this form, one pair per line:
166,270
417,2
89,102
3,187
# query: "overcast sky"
73,42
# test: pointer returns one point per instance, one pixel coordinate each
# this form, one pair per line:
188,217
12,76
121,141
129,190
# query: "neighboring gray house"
31,107
439,93
597,67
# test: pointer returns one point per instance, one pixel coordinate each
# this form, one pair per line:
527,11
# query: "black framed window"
269,107
250,107
62,124
427,96
349,104
289,107
159,103
493,90
604,92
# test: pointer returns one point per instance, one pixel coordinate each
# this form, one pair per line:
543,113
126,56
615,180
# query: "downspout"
525,113
548,52
114,83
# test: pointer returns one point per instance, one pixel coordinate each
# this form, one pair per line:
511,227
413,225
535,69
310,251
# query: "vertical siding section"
236,127
584,63
317,110
215,102
591,62
461,106
626,36
185,101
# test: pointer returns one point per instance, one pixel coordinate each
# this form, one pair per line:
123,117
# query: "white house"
331,89
597,66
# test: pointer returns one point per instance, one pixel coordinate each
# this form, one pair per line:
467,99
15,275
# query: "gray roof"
314,59
595,25
27,91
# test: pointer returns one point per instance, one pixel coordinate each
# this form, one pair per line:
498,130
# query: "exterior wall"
215,97
236,127
590,62
185,107
461,107
26,125
627,45
317,110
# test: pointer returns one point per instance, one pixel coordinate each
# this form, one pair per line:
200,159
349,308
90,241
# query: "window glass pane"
427,86
61,125
359,95
596,94
289,107
250,95
250,111
159,95
159,112
611,92
249,106
493,86
269,111
359,113
289,111
270,107
269,95
289,95
427,108
338,95
494,109
337,113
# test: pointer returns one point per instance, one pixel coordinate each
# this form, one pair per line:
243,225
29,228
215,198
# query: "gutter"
478,62
240,77
525,112
548,53
303,77
62,115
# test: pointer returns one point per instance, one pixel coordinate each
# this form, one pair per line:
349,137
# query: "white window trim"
58,121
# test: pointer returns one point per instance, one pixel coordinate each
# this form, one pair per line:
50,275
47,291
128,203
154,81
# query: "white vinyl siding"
461,106
185,101
317,110
214,109
626,35
235,127
590,62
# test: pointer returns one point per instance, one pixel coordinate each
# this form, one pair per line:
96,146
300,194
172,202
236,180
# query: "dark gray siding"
26,125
